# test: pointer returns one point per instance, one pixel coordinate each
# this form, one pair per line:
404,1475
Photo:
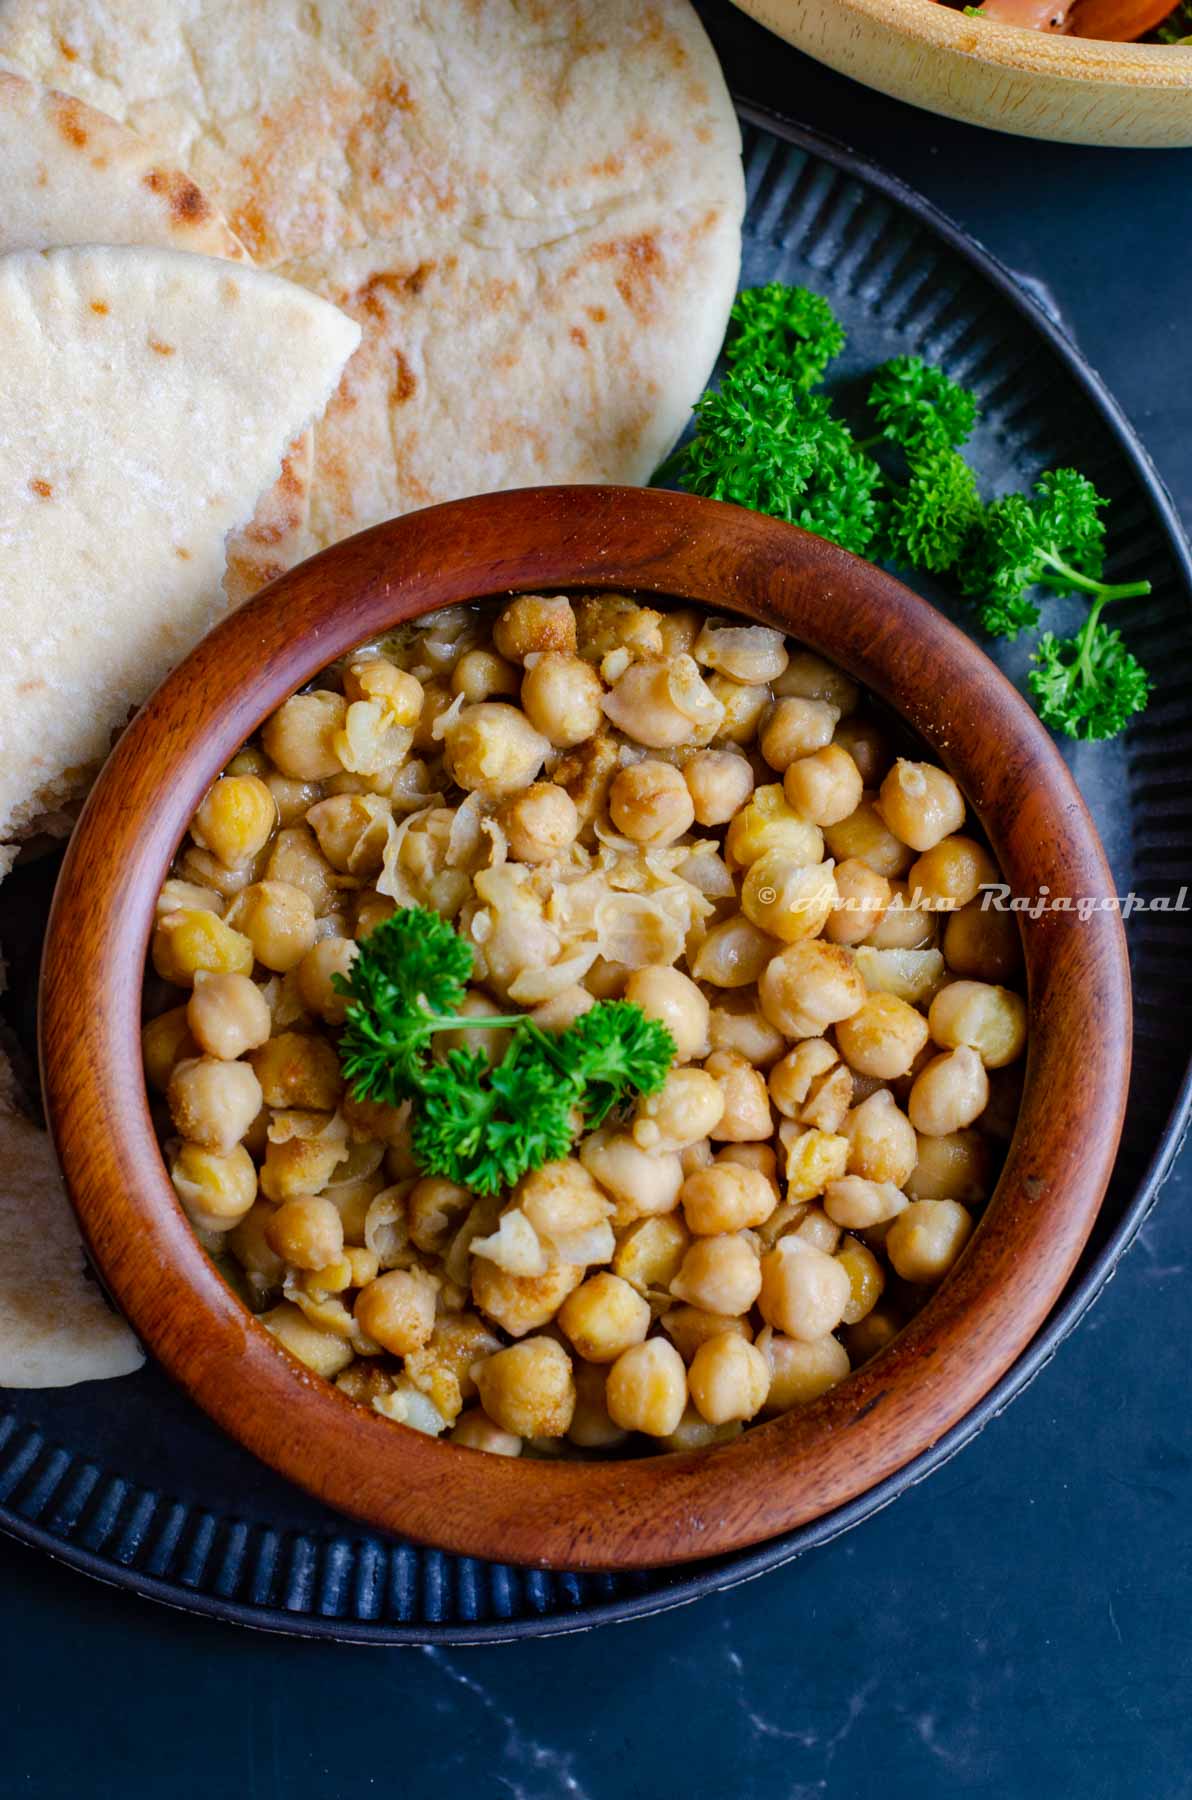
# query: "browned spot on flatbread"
287,481
100,307
391,92
371,297
182,553
33,685
229,291
404,385
161,349
68,117
248,222
185,201
68,50
641,264
597,314
579,336
41,488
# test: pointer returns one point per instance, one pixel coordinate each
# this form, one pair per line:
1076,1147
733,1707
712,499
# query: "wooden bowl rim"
607,1514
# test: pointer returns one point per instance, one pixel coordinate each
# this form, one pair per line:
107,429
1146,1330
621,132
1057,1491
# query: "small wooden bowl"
1075,90
617,1514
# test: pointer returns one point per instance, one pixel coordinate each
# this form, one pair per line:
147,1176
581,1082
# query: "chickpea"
475,1431
561,696
726,1197
528,1388
492,749
867,745
746,1117
903,925
646,1388
866,836
649,802
299,739
649,1253
862,896
799,1371
353,830
810,986
679,630
213,1103
990,1020
761,1157
480,674
729,1379
786,900
920,803
307,1232
690,1326
719,1274
251,1248
235,820
296,858
591,1427
871,1334
216,1188
165,1042
297,1071
304,1159
603,1317
664,704
397,1310
278,920
925,1240
952,872
674,1000
436,698
741,1027
292,798
813,1159
743,706
957,1166
689,1106
949,1093
882,1144
794,728
824,786
734,954
642,1181
562,1200
811,677
883,1037
532,623
330,957
858,1204
804,1292
606,980
745,653
562,1009
179,895
694,1433
376,678
866,1278
720,783
189,940
982,944
435,1209
606,622
227,1015
521,1303
541,824
770,823
323,1352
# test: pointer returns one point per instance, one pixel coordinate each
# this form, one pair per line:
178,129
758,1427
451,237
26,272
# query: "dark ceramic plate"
127,1481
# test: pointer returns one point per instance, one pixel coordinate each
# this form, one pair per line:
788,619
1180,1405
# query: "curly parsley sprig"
480,1124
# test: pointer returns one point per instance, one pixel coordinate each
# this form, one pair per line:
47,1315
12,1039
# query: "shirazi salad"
897,488
1155,21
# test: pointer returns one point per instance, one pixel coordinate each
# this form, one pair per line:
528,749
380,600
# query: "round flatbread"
533,211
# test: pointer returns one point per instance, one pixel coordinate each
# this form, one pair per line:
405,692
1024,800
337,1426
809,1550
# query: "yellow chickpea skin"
883,1037
882,1142
734,953
925,1240
957,1166
720,783
649,802
857,1204
296,1070
674,1000
213,1103
746,1116
329,957
988,1019
804,1291
920,803
982,944
299,738
787,900
726,1197
867,744
474,1430
493,750
189,940
862,896
528,1389
235,820
719,1274
812,677
810,986
795,728
279,922
689,1106
824,786
952,872
745,653
397,1310
728,1379
604,1316
561,696
307,1232
690,1326
800,1371
216,1188
646,1388
165,1042
649,1253
535,622
540,824
949,1093
227,1015
376,678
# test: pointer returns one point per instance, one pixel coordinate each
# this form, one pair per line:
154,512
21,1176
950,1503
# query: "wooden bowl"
614,1514
1076,90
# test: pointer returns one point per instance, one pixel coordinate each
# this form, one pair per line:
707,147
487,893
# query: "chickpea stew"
606,800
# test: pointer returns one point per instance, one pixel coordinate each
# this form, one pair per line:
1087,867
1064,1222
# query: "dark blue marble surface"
1017,1626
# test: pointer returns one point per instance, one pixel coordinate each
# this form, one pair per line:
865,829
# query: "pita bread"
148,396
532,207
56,1328
74,176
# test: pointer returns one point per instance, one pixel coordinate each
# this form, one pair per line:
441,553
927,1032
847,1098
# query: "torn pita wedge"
147,400
56,1327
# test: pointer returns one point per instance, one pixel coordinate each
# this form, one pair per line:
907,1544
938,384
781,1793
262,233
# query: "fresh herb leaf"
918,406
787,329
934,518
611,1051
1088,686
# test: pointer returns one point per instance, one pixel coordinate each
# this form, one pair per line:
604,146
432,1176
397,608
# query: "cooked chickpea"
743,709
800,1371
810,986
866,743
299,738
729,1379
689,1106
866,1278
649,802
561,696
235,820
649,1253
811,677
436,699
291,797
213,1103
475,1431
646,1388
956,1166
591,1428
883,1037
824,786
770,823
189,940
323,1352
882,1144
562,1009
990,1020
740,1026
857,1203
492,749
866,836
925,1240
643,1181
480,675
177,895
521,1303
540,824
862,896
720,783
920,803
674,1000
299,1071
434,1210
317,971
949,1093
664,704
904,925
761,1157
690,1326
789,901
528,1388
745,653
734,953
215,1187
397,1310
871,1334
353,830
535,622
726,1197
952,872
746,1117
719,1274
606,622
296,858
604,1316
307,1232
376,678
227,1015
796,727
982,944
278,920
804,1292
793,1079
165,1042
678,631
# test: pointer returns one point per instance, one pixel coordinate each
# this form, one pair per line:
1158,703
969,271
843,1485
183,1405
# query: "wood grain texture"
624,1513
1071,89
